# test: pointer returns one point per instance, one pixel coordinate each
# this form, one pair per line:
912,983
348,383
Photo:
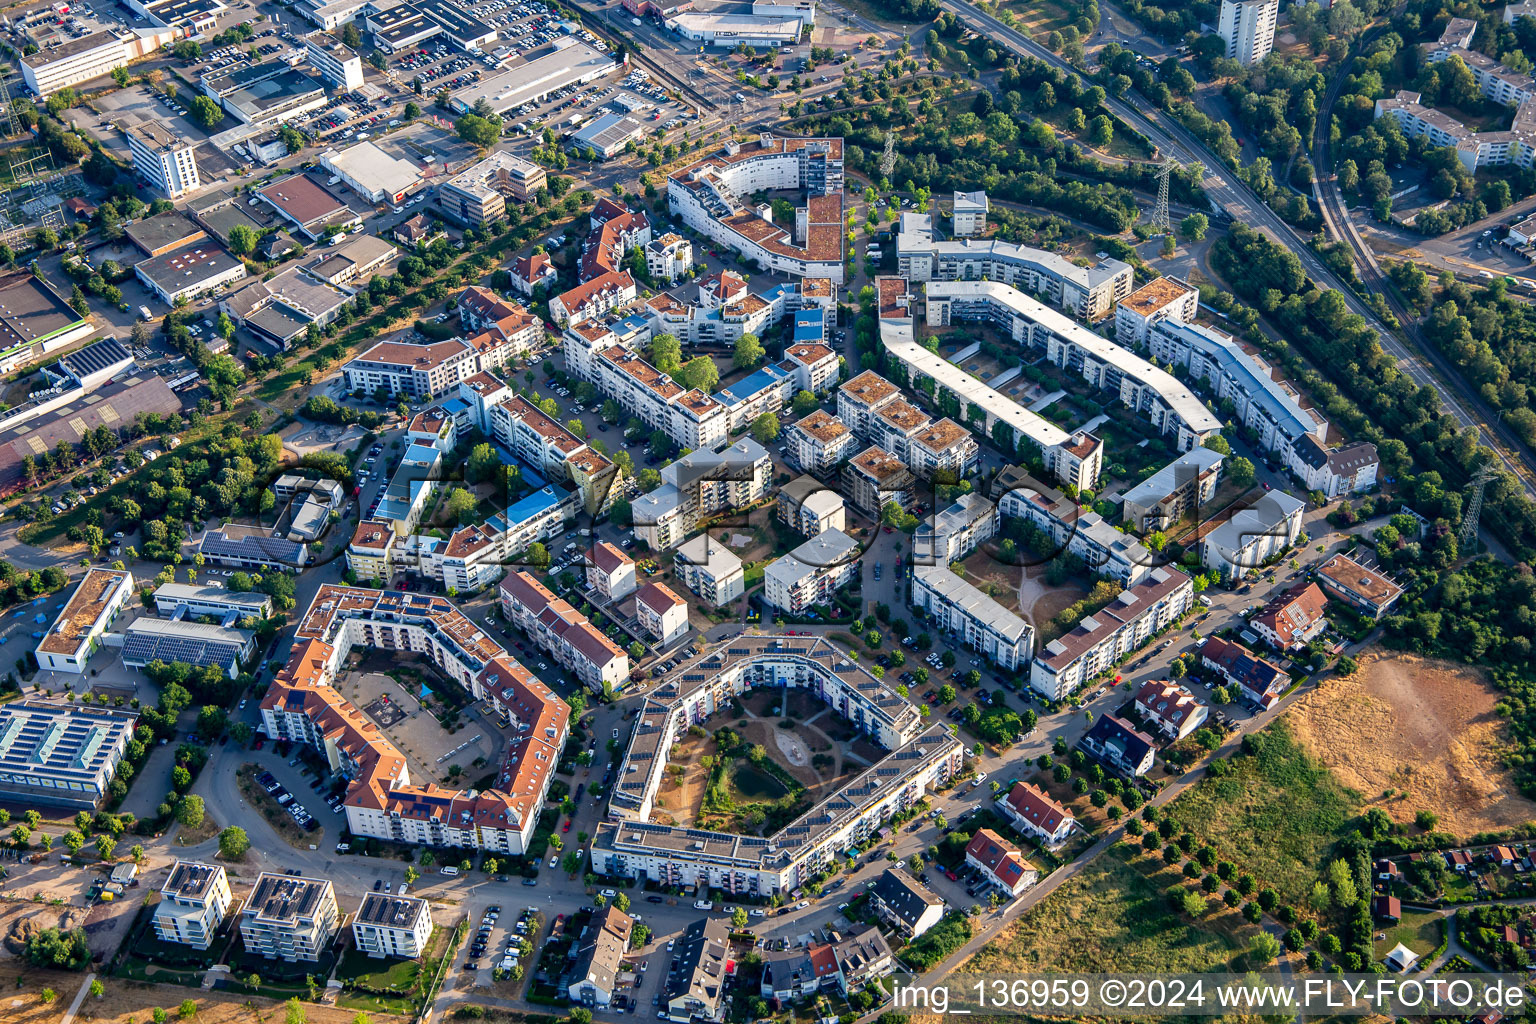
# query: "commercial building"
1368,591
372,172
1147,390
1089,293
904,903
307,206
339,65
1173,492
968,214
569,62
971,617
1000,863
289,917
1119,746
92,56
77,632
1075,530
252,547
163,158
698,485
205,600
950,534
730,30
810,574
1260,683
808,506
1241,543
190,272
397,927
819,441
192,904
198,644
1102,639
564,632
1349,469
164,232
302,705
610,572
661,613
1248,29
61,755
706,684
264,94
1292,619
710,569
315,290
705,195
599,955
1170,709
478,195
1162,298
1034,813
606,135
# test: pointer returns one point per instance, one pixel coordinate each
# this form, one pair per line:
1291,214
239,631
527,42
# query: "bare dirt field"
131,1002
993,578
1425,728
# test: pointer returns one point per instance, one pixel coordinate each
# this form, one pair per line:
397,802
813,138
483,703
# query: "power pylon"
1162,222
888,158
1468,530
10,124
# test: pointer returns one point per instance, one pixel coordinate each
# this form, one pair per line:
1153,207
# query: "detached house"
1000,862
1114,742
1172,710
1034,813
905,903
1293,619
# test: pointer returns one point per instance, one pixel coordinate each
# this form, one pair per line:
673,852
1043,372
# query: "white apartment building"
563,631
1089,293
591,299
811,573
1245,541
1176,490
972,617
1248,29
289,917
78,631
950,534
339,65
819,442
661,613
192,904
610,572
710,569
396,927
698,485
164,159
1079,531
808,506
860,398
1100,640
668,257
968,212
1162,298
1349,469
1476,150
417,372
875,477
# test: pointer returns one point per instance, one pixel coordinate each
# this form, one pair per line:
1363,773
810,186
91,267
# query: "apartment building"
1368,591
1475,149
695,989
808,506
699,485
1162,298
1173,492
599,957
661,613
1000,863
905,904
1119,746
950,534
710,569
1292,619
1257,681
1239,544
971,617
396,927
815,365
1349,469
1075,530
669,257
968,214
1247,27
591,299
818,442
1097,643
289,917
418,372
811,573
1170,709
1034,813
192,904
564,632
534,270
875,477
610,572
164,159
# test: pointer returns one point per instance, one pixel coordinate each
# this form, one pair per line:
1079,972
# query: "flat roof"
387,911
187,268
544,73
192,880
1155,295
70,48
31,310
275,91
609,130
86,607
169,228
190,592
62,743
373,168
302,198
283,899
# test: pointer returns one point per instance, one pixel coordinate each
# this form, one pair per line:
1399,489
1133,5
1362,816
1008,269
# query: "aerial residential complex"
192,904
289,917
1248,29
972,618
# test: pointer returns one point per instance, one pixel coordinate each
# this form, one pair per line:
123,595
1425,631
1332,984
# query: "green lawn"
1421,931
1276,815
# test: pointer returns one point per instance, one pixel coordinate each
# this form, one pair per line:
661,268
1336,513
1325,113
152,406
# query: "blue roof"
454,406
632,324
769,376
814,315
779,290
537,503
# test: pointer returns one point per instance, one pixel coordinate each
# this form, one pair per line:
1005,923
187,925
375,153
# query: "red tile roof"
1030,803
1000,856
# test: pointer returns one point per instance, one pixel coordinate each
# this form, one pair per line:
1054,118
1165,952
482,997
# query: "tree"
749,352
233,843
1264,949
1194,226
1240,471
538,555
804,402
242,239
97,988
478,131
190,813
1101,130
461,505
621,902
206,112
51,947
187,1010
483,464
1217,443
699,372
105,844
411,874
946,694
667,353
294,1012
765,428
739,918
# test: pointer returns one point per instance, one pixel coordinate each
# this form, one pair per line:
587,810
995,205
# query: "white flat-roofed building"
1243,542
661,613
859,399
373,173
61,755
198,644
204,600
968,210
808,506
92,56
698,485
1247,27
1100,640
972,617
819,441
950,534
77,632
710,569
478,195
1162,298
397,927
187,273
943,451
1077,531
192,904
1145,389
606,135
816,365
668,257
610,572
289,917
339,65
874,477
1176,490
737,29
571,62
163,158
811,573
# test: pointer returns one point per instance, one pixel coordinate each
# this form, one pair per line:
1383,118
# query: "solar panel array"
143,648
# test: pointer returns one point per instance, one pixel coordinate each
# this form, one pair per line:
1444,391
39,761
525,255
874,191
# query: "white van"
449,871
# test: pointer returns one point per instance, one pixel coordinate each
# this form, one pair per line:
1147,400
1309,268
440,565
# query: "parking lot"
328,794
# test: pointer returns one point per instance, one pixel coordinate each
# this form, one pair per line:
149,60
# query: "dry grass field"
1426,729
